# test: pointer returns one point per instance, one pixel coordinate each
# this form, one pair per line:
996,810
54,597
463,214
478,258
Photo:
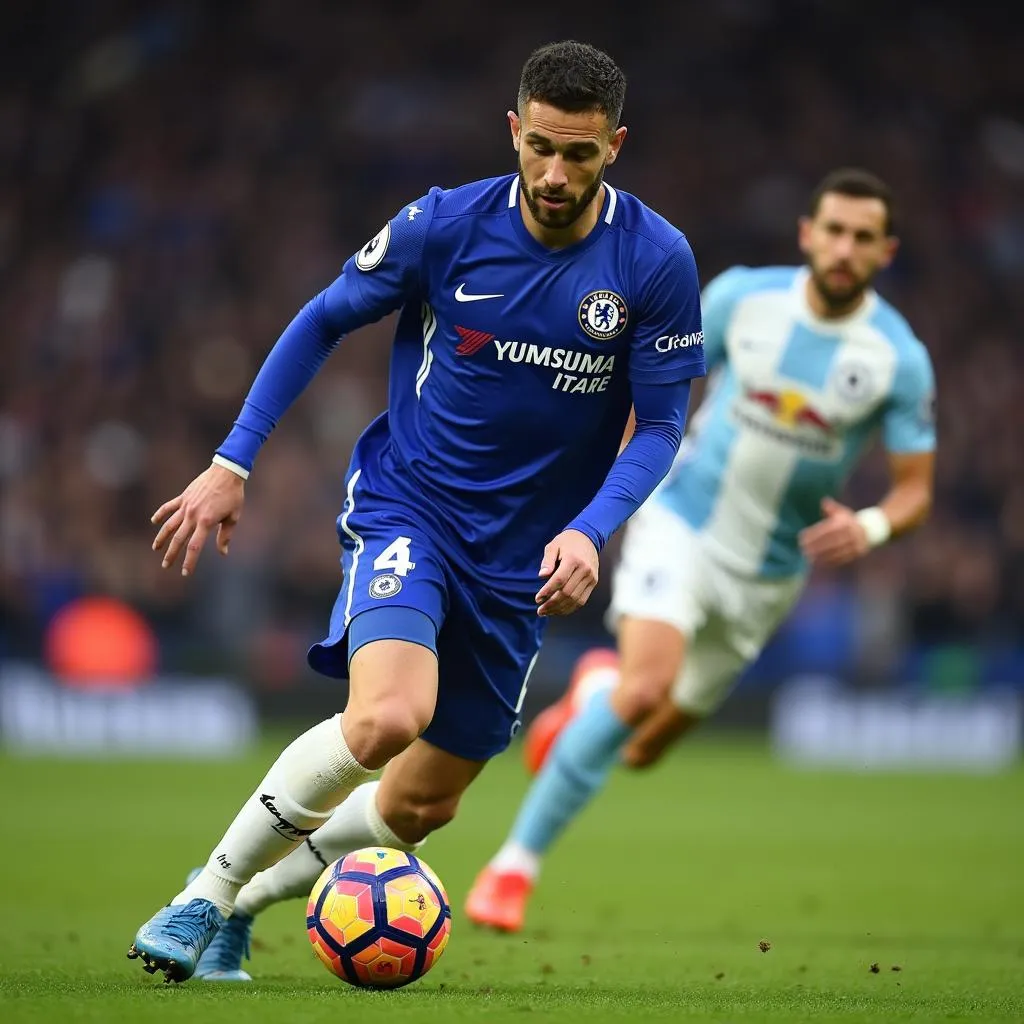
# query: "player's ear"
804,227
892,244
516,125
617,138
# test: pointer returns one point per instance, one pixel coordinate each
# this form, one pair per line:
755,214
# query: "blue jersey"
514,365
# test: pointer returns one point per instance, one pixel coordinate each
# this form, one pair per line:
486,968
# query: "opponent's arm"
844,535
908,425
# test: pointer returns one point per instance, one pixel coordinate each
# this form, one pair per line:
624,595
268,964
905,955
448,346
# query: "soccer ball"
378,918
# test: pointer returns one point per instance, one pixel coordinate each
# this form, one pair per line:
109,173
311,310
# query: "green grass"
652,908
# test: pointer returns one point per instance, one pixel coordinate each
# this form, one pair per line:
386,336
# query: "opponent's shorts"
666,574
399,584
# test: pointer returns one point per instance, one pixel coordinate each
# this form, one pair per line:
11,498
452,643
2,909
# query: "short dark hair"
574,77
861,184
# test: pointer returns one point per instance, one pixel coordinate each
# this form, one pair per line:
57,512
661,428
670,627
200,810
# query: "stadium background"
177,179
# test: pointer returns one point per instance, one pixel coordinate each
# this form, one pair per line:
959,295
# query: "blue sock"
575,769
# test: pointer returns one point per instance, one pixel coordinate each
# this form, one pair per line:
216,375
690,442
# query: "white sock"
515,858
355,824
310,778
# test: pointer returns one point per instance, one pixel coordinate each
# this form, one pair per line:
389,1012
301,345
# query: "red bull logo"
791,409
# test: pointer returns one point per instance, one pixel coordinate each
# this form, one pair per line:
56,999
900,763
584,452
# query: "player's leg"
579,763
393,687
391,697
667,724
486,648
733,637
356,823
596,669
486,654
418,792
704,680
656,605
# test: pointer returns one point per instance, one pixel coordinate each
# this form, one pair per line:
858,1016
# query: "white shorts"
666,574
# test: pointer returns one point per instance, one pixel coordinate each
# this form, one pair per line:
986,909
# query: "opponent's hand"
214,498
836,540
570,563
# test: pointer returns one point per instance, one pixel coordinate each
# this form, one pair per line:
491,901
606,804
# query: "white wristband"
877,527
219,460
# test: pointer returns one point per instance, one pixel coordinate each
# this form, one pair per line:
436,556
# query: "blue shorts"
399,584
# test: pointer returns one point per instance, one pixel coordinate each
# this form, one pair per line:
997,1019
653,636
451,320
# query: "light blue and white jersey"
793,401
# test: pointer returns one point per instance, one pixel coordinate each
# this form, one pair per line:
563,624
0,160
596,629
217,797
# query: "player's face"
846,245
562,157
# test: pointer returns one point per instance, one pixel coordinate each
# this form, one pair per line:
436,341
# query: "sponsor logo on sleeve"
670,342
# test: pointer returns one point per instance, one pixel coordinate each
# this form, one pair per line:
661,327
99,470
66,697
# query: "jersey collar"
607,217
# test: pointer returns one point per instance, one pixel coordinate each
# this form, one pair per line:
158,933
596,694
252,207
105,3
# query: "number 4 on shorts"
395,557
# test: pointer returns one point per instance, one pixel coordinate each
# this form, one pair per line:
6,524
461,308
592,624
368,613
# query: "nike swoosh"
461,296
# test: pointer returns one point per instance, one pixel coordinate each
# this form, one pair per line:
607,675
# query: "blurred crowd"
177,179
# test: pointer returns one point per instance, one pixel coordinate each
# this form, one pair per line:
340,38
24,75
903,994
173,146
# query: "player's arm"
909,501
661,371
844,535
378,279
659,417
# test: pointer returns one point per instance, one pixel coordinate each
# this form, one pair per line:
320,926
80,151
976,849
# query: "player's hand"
836,540
213,499
570,563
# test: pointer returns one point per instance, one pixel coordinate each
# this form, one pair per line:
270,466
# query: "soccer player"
806,365
536,309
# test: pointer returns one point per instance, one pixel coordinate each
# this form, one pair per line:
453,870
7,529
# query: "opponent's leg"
651,654
392,695
597,669
656,733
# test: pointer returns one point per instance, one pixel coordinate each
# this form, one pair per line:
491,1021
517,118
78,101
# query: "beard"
572,209
839,296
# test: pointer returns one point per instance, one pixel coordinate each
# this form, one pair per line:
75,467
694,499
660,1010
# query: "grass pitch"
875,898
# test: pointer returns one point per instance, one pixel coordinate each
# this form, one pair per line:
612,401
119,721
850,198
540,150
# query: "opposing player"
536,308
807,365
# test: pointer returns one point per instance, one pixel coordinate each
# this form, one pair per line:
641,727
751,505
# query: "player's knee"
415,817
379,731
658,732
641,691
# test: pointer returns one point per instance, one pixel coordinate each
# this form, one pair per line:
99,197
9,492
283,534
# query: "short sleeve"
387,272
908,423
668,343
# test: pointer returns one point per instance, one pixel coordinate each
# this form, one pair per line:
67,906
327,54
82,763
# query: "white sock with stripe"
311,777
355,824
